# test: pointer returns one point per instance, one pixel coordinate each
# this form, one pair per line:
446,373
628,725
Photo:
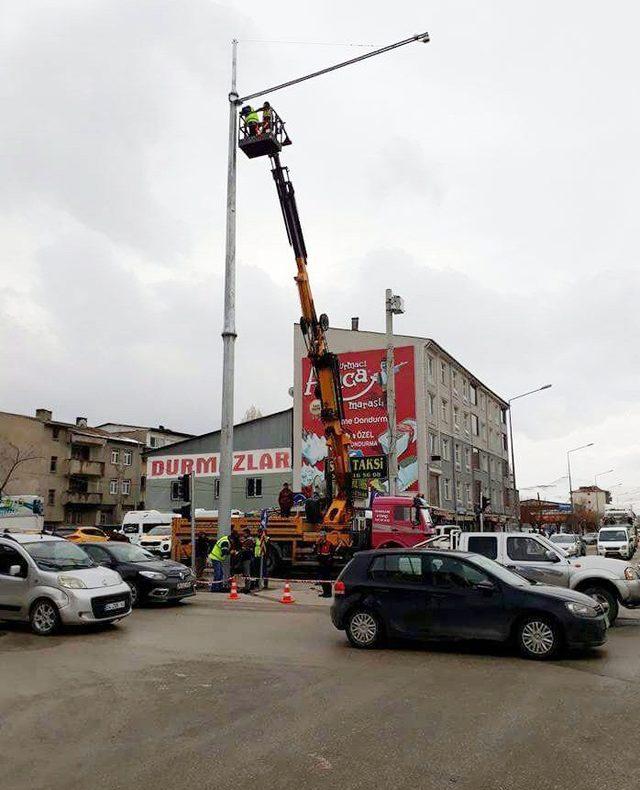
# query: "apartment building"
452,427
84,475
593,499
152,438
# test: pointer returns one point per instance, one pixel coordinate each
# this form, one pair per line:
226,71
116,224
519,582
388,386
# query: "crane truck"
394,521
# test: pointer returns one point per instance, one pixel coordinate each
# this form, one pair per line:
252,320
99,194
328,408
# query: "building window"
176,490
458,492
467,458
454,382
475,459
474,425
430,367
465,389
505,445
103,518
473,394
483,401
447,488
433,444
443,373
53,464
503,416
152,441
456,418
443,409
127,456
216,488
456,455
446,449
432,403
115,456
466,422
469,495
55,432
126,487
254,486
483,462
51,496
113,487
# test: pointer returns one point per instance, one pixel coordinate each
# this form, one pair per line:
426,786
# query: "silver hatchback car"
46,581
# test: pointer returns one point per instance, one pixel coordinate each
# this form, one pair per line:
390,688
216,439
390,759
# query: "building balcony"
82,498
86,468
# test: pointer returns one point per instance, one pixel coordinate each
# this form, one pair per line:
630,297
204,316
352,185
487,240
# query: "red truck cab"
399,522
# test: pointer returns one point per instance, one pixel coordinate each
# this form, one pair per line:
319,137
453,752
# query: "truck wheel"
364,629
538,637
604,596
44,617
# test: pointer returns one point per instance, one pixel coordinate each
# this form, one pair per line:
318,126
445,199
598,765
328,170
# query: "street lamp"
394,305
575,449
229,325
595,477
513,458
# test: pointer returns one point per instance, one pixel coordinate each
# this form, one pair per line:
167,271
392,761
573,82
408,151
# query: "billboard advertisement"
207,464
363,377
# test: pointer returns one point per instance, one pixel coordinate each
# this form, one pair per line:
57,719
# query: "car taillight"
338,588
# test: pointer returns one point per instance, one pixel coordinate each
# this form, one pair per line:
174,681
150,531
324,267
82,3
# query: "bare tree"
252,413
11,457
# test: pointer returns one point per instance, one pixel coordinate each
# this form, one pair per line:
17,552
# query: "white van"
616,541
137,523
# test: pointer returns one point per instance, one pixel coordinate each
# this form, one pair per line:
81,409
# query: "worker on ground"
247,552
251,120
285,500
324,555
201,550
219,553
267,117
260,558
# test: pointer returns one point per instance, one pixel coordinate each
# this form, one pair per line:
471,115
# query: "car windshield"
58,555
500,571
612,534
126,552
563,538
163,529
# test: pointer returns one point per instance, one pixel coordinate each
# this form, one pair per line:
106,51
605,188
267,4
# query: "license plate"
110,607
183,585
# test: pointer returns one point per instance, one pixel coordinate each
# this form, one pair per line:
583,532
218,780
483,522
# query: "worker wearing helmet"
251,120
267,117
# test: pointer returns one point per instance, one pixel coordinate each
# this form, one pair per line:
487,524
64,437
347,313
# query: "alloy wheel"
537,637
44,617
364,628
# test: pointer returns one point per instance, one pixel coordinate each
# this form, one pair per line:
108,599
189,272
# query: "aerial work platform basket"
266,137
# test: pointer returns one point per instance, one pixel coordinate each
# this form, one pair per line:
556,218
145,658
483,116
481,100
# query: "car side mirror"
15,570
551,556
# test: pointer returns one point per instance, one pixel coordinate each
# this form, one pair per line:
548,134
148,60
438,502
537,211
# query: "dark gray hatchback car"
422,594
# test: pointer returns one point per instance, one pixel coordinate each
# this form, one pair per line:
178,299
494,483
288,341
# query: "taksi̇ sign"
208,464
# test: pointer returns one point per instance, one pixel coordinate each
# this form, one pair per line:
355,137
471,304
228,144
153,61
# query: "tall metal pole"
229,326
193,521
570,485
391,397
516,508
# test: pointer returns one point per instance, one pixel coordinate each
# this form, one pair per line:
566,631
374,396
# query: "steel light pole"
595,477
229,334
575,449
513,457
394,305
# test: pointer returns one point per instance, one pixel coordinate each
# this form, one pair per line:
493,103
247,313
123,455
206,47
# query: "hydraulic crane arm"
325,363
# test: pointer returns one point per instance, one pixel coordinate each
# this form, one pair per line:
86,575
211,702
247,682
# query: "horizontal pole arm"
424,37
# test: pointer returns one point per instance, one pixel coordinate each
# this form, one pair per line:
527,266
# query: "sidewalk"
304,594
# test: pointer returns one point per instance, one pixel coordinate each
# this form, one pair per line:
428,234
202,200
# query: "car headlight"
71,583
153,575
630,574
581,609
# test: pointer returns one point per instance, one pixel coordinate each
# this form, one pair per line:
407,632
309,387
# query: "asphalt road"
215,694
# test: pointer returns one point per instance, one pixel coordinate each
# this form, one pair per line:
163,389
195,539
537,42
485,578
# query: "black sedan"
149,578
421,594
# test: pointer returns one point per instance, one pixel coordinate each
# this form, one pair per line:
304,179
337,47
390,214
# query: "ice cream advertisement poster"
364,376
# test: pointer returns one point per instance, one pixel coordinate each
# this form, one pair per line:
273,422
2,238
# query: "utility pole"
229,328
193,521
394,305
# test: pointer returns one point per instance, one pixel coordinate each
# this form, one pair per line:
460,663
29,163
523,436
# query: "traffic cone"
233,593
286,595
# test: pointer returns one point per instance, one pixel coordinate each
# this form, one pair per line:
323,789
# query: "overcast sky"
490,177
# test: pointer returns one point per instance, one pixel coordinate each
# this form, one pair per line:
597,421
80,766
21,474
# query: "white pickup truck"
612,581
